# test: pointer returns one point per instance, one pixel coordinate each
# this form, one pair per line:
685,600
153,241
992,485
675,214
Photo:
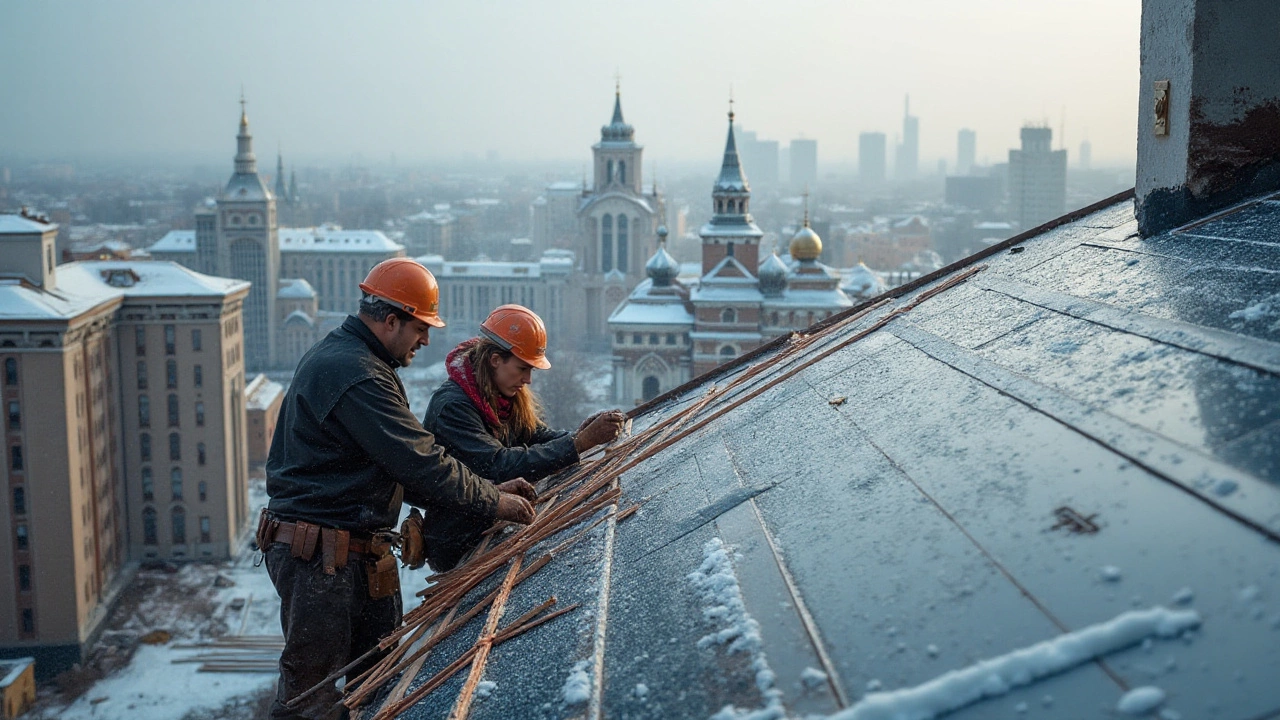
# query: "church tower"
618,219
732,232
248,247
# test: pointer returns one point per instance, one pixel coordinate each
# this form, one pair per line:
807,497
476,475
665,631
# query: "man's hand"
599,428
514,508
520,487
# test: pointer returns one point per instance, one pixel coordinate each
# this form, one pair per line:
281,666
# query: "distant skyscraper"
966,150
909,151
1086,154
804,162
871,157
1037,178
761,156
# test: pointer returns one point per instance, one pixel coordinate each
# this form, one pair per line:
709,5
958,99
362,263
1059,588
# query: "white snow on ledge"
997,676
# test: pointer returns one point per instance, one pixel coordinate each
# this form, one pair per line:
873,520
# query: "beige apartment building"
124,432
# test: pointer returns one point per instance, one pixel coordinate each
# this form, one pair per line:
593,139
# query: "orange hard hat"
520,330
406,284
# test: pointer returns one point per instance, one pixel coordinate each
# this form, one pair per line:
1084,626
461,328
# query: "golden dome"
806,245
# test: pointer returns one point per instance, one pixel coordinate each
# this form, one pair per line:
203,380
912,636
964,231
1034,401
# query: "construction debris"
235,654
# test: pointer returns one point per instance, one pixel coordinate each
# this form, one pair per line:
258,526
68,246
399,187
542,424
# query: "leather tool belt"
335,547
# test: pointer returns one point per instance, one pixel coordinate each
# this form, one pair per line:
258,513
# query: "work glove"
520,487
413,548
601,427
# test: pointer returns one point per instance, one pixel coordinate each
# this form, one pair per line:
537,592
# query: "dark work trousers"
328,621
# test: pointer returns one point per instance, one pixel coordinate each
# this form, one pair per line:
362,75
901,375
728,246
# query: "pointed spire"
246,162
617,101
732,179
281,190
617,130
806,205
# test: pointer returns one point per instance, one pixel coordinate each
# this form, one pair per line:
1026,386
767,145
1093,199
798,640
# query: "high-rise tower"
909,151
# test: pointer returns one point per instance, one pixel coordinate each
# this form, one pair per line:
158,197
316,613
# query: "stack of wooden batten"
591,488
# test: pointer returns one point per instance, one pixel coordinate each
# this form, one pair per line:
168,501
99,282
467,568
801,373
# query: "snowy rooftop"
13,224
82,286
321,239
261,392
11,669
1041,482
295,289
646,307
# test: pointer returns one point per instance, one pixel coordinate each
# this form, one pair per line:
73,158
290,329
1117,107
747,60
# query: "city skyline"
458,82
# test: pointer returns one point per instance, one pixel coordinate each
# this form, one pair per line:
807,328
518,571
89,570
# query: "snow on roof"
320,239
323,239
296,289
565,186
806,298
261,392
14,224
82,286
645,307
706,292
13,668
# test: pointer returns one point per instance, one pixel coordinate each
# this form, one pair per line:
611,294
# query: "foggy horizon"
158,83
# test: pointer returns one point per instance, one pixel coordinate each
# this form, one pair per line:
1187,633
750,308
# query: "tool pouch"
384,577
266,530
305,537
334,547
413,547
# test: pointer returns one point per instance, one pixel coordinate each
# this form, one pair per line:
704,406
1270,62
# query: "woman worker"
485,414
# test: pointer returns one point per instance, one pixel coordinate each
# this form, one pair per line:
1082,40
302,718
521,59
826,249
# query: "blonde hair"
526,411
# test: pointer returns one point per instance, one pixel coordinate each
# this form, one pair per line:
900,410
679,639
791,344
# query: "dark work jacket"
457,425
347,451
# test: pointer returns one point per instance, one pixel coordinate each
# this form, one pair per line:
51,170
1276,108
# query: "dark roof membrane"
1076,424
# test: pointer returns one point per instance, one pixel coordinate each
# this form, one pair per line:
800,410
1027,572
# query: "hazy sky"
329,81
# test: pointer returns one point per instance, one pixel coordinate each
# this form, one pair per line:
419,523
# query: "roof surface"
13,224
82,286
1023,448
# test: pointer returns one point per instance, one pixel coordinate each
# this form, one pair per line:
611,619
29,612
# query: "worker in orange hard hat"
486,415
345,456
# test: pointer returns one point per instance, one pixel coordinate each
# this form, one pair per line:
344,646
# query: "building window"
622,171
671,338
608,171
728,249
173,411
170,340
15,415
142,374
175,447
19,500
144,411
650,388
171,374
197,342
623,225
140,340
144,447
606,243
199,376
203,489
175,483
24,578
22,540
727,351
636,338
200,457
653,338
149,534
199,414
728,315
621,338
15,457
179,526
148,485
205,527
28,621
10,371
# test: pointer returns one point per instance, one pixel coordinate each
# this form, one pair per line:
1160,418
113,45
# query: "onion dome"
662,268
806,245
773,275
861,282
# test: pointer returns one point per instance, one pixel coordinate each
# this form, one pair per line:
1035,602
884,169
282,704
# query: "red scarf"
461,372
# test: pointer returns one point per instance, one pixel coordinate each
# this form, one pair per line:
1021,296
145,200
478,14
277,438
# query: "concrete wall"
1220,58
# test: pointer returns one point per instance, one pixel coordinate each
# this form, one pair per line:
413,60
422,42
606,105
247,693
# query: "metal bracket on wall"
1162,107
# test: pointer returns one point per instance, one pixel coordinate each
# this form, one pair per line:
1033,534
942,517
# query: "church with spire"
610,222
671,329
